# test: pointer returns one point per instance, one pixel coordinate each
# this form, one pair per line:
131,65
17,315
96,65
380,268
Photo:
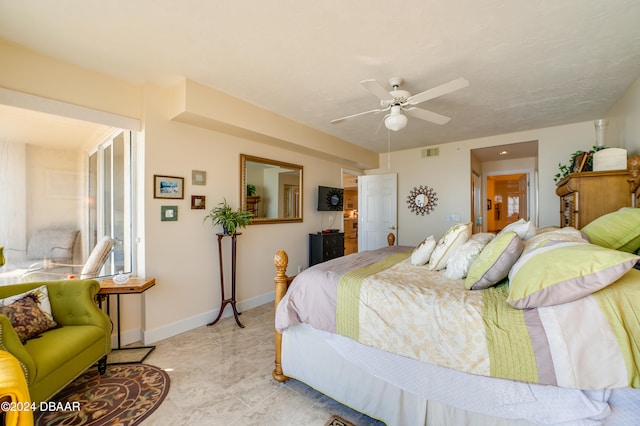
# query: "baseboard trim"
177,327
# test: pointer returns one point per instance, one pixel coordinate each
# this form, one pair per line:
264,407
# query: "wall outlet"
300,268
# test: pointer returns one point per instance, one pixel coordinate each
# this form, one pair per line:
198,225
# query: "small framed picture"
579,162
168,187
169,213
198,177
197,202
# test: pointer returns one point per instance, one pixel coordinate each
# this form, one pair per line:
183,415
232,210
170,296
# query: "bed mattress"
374,382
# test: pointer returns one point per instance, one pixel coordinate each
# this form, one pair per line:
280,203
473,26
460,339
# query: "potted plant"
565,169
251,190
229,219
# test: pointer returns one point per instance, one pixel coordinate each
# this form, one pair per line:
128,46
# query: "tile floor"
221,375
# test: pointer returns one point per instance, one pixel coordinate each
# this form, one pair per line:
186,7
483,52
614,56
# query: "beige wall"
28,72
624,121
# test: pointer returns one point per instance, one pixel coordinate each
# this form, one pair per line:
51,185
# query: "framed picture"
168,187
488,204
579,161
197,202
169,213
198,177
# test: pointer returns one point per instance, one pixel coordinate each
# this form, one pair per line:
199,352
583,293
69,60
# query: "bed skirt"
402,391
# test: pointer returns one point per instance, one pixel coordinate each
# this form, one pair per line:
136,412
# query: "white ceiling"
530,63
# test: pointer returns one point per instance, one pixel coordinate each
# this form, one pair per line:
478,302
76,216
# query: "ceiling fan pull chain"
388,149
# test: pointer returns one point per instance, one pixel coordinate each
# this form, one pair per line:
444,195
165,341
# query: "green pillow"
619,230
564,272
494,261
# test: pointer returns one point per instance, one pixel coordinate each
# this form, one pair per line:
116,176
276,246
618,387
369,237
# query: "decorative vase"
601,127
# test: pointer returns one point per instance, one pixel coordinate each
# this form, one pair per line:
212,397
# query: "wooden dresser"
589,195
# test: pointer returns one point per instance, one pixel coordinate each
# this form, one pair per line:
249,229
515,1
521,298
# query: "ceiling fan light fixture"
395,120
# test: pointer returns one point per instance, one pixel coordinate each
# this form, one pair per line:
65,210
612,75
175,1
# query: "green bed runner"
347,310
511,352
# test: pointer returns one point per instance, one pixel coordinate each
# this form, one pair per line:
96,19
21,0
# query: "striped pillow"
563,272
494,262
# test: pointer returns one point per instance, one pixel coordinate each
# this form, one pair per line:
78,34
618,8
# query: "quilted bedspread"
385,302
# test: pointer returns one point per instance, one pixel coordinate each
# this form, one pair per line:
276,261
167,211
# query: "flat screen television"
330,199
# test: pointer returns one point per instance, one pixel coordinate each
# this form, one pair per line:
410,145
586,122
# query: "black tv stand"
324,246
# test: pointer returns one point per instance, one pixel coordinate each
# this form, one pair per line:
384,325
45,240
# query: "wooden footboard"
282,282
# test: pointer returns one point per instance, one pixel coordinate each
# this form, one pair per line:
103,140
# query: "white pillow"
422,253
465,255
524,229
454,238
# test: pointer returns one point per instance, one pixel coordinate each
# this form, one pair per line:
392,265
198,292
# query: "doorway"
350,212
504,185
507,197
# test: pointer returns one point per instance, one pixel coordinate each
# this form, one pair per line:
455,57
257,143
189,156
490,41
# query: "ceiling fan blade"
373,111
377,89
423,114
443,89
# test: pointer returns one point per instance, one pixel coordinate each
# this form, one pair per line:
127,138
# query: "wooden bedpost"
391,239
282,283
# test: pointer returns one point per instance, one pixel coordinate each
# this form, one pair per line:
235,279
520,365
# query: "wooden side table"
232,300
134,285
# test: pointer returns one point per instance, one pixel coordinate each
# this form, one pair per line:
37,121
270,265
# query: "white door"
476,202
377,210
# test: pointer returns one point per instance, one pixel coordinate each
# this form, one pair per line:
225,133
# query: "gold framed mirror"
271,190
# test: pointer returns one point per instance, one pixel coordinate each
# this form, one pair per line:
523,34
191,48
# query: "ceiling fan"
400,102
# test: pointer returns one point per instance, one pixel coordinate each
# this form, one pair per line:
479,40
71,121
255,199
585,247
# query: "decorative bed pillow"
563,272
26,318
524,228
422,253
619,230
42,295
465,255
452,239
495,261
554,235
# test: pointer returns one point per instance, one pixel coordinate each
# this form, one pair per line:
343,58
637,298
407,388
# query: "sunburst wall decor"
422,200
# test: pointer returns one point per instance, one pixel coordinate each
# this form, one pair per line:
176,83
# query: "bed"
531,326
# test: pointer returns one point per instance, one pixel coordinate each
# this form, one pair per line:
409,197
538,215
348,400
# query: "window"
110,202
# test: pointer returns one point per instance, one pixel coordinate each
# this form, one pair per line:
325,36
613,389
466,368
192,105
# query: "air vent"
430,152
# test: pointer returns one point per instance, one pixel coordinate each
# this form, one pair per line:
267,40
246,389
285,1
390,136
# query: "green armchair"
57,356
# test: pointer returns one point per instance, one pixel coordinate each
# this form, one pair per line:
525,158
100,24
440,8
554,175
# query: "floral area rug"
125,395
338,421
